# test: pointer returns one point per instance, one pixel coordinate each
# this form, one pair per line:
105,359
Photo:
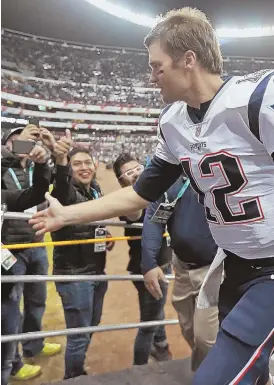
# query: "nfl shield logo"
198,131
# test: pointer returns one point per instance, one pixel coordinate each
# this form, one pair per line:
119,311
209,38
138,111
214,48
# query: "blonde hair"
184,29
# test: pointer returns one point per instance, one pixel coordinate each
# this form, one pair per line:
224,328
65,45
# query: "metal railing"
73,278
91,329
26,217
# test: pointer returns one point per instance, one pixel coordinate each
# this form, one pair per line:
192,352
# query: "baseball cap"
9,133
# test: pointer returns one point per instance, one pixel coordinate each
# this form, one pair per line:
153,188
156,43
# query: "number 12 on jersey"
234,181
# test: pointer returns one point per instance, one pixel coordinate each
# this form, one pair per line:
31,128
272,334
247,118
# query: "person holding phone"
21,141
18,200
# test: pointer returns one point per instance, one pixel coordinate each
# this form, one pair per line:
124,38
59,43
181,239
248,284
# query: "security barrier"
23,216
71,278
91,329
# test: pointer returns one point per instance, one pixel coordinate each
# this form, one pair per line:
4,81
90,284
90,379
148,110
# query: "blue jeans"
82,304
151,309
10,323
31,262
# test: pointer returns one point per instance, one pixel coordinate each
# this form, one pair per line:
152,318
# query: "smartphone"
22,146
34,121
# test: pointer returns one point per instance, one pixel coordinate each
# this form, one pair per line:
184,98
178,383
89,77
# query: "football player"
221,135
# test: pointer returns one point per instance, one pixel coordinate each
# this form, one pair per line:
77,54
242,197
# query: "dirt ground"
108,351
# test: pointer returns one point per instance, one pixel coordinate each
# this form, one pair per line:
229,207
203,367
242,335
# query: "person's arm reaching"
135,216
109,206
157,178
153,182
152,238
63,189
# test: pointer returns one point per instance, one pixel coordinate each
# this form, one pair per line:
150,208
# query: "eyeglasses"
129,173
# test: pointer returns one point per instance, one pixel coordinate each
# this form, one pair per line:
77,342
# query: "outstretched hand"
50,219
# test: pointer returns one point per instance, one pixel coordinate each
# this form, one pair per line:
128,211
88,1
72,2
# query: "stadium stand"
80,86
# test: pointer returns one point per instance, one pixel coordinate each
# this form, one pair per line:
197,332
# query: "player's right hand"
151,279
51,219
30,132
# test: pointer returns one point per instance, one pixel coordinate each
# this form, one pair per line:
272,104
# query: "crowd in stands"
81,93
82,64
74,72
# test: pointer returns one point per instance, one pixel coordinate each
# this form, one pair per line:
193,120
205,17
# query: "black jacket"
76,259
20,201
18,231
8,159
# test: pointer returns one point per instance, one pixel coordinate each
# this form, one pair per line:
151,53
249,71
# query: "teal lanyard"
183,189
180,193
95,194
148,160
16,181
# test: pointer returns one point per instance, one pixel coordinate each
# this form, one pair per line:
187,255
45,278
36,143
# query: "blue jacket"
190,236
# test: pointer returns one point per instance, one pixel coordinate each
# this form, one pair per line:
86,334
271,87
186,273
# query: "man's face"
83,168
171,77
10,140
130,172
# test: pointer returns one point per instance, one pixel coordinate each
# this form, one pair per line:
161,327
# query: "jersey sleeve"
266,117
156,179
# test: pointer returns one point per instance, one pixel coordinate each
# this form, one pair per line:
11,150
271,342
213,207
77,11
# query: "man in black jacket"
29,261
18,201
153,340
82,301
